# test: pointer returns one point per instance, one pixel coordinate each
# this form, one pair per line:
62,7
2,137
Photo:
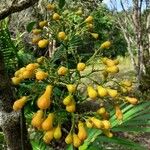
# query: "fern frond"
8,50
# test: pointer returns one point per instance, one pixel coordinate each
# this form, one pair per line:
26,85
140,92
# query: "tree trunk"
135,28
138,36
131,54
12,123
14,130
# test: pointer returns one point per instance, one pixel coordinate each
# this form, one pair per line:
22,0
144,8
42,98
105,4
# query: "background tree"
134,22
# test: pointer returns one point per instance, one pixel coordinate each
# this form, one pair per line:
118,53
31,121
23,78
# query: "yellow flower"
43,23
61,36
92,93
69,139
44,101
131,100
81,66
48,122
82,133
41,75
18,104
36,31
126,83
102,92
57,133
110,62
37,119
90,26
118,112
48,136
105,45
32,66
56,16
62,71
68,100
112,69
71,107
112,93
43,43
76,141
50,6
71,88
15,80
36,39
95,35
101,111
89,19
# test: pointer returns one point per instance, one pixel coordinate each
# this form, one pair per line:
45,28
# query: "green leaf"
96,145
131,112
129,129
30,26
61,3
137,110
92,135
143,117
138,122
69,147
59,54
35,145
9,51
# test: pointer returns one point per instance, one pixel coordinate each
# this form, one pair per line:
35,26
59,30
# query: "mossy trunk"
13,127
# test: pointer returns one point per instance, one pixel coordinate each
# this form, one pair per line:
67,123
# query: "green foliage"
12,50
24,57
2,142
38,144
106,27
30,26
61,3
8,50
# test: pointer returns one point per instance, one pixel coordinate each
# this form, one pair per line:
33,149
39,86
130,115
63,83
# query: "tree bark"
138,35
12,123
134,24
16,7
10,120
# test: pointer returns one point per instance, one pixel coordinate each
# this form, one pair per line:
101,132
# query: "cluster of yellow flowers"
37,38
45,119
24,73
33,71
61,35
30,71
111,65
41,122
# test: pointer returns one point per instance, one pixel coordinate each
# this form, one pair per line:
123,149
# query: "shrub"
59,93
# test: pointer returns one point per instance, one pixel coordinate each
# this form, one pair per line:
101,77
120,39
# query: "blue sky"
115,2
118,6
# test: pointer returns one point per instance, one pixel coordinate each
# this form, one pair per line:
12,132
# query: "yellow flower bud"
105,45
